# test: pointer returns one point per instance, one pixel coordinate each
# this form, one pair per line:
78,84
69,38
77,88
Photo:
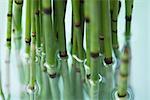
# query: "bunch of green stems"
46,50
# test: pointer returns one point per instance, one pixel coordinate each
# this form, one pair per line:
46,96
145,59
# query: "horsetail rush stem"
17,20
8,43
50,45
128,9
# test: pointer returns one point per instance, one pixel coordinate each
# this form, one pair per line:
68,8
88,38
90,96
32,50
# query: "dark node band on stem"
8,39
108,60
63,54
81,1
28,41
19,2
88,76
126,61
114,20
128,18
77,24
7,61
18,38
115,46
47,11
114,31
101,37
94,54
87,19
33,34
53,75
123,75
9,15
119,6
122,96
77,70
37,12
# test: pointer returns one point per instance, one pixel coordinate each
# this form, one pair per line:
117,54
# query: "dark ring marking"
115,46
63,54
7,61
77,24
122,96
19,2
128,18
37,12
113,20
77,70
132,6
94,55
123,75
9,15
52,75
88,76
81,1
28,41
87,19
47,11
101,37
8,39
114,31
126,61
33,34
108,60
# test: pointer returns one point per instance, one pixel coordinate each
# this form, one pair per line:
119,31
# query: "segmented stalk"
94,48
27,38
107,31
114,20
124,72
17,20
50,45
8,44
32,81
128,10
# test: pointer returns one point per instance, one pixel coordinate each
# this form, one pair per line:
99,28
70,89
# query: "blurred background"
140,45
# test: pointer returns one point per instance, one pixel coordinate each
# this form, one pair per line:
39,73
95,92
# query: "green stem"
28,38
50,45
107,31
17,18
128,9
94,48
114,20
124,72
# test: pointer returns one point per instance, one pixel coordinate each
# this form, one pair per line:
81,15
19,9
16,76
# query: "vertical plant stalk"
50,46
32,82
59,12
17,20
78,31
8,44
114,20
38,47
73,68
106,29
28,38
128,10
94,49
124,73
